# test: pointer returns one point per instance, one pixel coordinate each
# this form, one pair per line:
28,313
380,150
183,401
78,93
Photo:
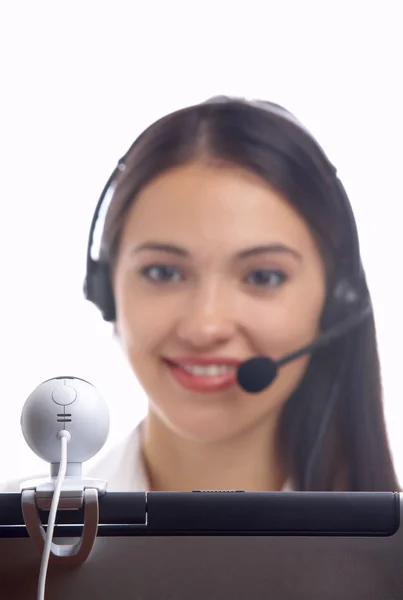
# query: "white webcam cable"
64,437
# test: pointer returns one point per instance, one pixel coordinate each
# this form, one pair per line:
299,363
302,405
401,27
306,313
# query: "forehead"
223,206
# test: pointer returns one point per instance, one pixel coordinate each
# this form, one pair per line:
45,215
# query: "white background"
79,80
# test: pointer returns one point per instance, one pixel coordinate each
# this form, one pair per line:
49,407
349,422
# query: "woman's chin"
207,425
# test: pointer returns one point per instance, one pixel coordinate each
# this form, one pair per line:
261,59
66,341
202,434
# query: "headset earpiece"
341,302
98,289
346,293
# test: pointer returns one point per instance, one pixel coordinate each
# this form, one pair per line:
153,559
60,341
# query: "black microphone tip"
256,374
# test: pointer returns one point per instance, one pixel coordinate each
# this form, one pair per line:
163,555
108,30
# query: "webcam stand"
76,492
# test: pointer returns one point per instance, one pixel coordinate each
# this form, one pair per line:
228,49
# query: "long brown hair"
347,439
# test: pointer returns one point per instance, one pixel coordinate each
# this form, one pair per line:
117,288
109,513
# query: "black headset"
346,301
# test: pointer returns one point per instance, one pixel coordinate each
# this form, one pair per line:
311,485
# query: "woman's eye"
266,278
161,273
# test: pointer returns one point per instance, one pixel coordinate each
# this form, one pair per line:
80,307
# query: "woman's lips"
205,375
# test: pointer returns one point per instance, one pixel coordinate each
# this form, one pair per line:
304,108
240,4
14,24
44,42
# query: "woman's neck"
248,462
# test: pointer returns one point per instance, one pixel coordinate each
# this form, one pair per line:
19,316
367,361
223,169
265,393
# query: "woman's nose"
208,319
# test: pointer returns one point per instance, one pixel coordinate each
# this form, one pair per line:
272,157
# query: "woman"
229,236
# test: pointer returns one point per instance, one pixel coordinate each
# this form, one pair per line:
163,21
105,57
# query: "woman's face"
214,268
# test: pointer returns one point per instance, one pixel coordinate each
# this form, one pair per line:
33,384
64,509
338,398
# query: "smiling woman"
229,236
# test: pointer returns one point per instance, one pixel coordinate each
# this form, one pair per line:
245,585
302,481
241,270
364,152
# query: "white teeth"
208,370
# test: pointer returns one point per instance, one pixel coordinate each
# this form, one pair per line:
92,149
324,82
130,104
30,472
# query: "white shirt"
122,468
